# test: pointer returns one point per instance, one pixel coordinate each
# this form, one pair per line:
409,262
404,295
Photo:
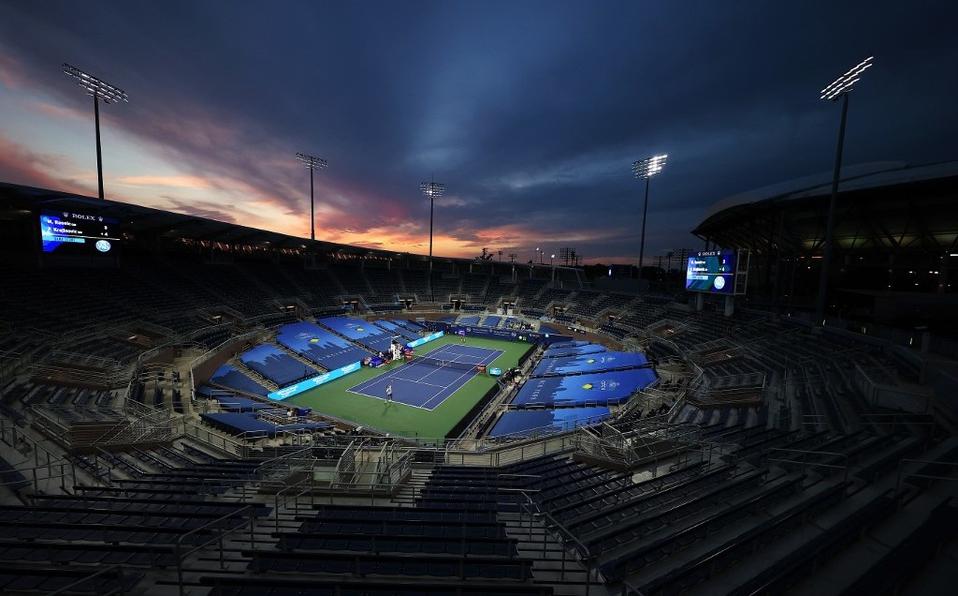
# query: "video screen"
78,234
711,271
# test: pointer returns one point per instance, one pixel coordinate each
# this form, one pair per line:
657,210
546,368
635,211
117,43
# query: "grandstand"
893,263
206,413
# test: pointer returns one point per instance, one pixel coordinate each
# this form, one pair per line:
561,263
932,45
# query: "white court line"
496,354
441,367
468,372
394,401
360,389
415,381
390,376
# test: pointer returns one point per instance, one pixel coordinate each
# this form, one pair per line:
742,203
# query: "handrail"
803,463
585,555
273,460
120,589
178,544
905,462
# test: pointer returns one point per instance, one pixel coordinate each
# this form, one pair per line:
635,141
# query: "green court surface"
396,418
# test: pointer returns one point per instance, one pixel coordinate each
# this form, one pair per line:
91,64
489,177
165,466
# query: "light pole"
433,190
313,163
837,90
552,263
645,169
100,91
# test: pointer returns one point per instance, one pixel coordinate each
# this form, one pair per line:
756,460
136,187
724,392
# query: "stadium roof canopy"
883,206
138,222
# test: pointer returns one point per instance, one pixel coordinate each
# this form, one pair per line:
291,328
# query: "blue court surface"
423,384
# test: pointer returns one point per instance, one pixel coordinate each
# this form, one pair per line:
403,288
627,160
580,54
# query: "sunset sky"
530,112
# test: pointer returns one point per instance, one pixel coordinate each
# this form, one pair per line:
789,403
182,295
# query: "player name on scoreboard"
717,272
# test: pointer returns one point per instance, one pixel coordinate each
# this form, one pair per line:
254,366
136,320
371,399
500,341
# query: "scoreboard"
69,233
717,272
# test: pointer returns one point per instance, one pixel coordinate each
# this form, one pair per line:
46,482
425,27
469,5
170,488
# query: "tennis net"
441,363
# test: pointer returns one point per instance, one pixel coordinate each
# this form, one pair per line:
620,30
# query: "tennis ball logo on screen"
587,386
590,361
719,282
103,246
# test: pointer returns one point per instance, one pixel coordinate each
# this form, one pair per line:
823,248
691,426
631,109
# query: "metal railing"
120,588
218,537
804,463
904,463
34,475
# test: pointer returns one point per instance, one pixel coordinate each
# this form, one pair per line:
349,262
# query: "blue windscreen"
365,333
528,422
319,345
228,376
573,351
577,390
590,363
569,344
395,329
351,328
411,325
491,321
276,365
250,425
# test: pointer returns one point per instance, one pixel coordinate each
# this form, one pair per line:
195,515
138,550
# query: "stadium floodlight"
645,169
313,163
433,190
100,91
838,89
844,83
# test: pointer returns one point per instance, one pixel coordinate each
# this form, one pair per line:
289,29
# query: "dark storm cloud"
530,112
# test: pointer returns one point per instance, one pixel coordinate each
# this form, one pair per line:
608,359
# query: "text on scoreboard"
68,232
711,271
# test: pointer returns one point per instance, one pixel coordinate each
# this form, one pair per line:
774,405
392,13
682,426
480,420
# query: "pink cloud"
20,165
55,111
194,182
10,72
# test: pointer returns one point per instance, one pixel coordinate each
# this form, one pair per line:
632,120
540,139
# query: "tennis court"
427,382
335,398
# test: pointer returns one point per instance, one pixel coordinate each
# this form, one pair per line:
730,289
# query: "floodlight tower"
645,169
837,90
313,163
433,190
100,91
